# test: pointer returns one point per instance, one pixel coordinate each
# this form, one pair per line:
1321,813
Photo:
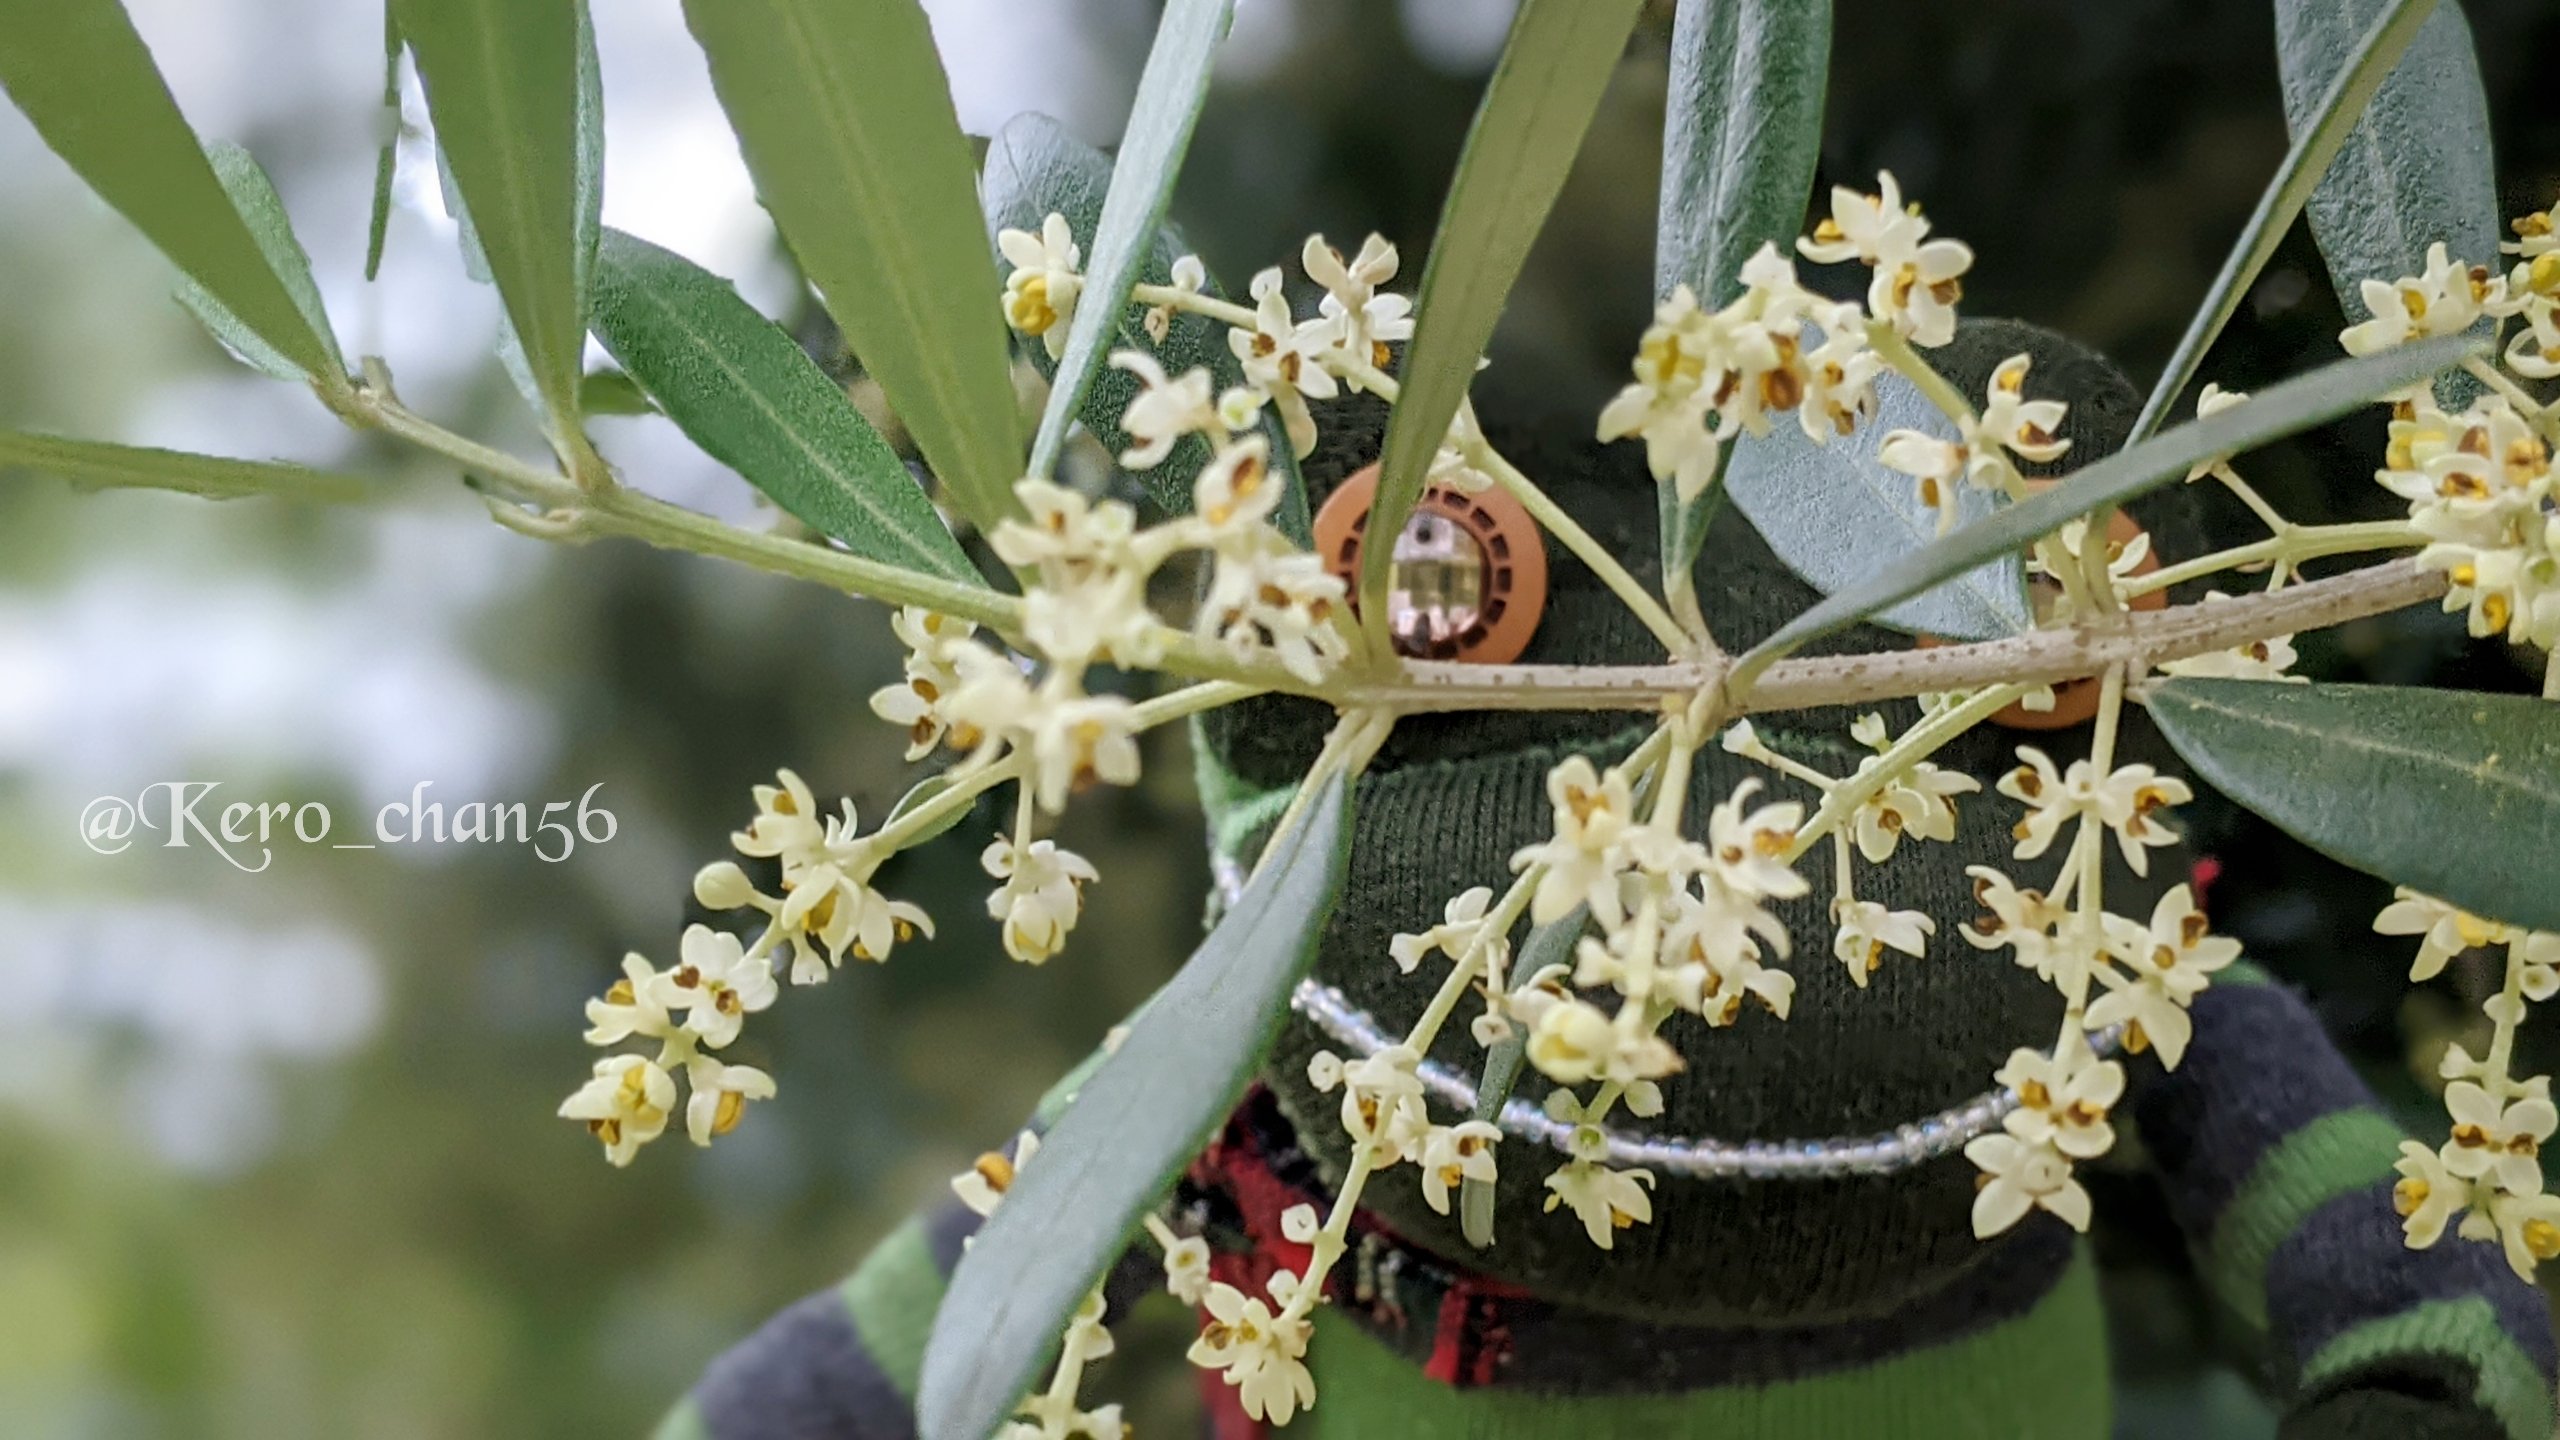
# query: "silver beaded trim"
1901,1148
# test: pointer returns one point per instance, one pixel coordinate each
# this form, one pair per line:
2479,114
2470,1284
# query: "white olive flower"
1750,847
787,825
1839,381
1165,409
1077,742
2177,951
1188,276
1040,294
631,1007
1606,1201
1186,1269
2498,1141
720,1096
1667,405
2447,931
1576,1041
1276,600
1453,465
1875,229
1867,930
1919,803
989,701
1234,495
1065,529
1934,465
625,1106
2021,919
1364,322
2124,801
2025,428
1461,930
1455,1153
1261,1354
1284,359
2528,1229
835,909
1382,1102
2213,400
1594,812
2021,1176
983,1185
2063,1100
1714,989
2265,659
2445,299
1300,1224
2427,1195
934,643
1041,897
717,983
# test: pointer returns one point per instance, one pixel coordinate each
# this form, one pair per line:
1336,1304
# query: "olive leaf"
386,163
254,195
2416,167
98,463
80,73
2297,404
2450,793
753,400
1170,90
504,88
1034,169
1132,1127
847,126
1741,131
2320,134
1527,129
1837,515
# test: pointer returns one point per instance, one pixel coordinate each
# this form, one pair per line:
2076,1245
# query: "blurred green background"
277,1155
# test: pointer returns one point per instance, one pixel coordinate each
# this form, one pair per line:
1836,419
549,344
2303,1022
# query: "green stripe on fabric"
2243,972
2467,1330
682,1423
893,1296
2329,1157
2042,1374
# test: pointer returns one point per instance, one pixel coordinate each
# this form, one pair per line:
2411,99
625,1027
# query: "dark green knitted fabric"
1454,796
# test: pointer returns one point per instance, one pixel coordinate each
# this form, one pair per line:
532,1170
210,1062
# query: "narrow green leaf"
1034,169
611,392
1170,91
255,198
1837,515
1141,1117
2450,793
97,463
502,86
1544,91
386,164
922,793
2416,167
749,396
2320,134
847,126
80,73
2297,404
1740,135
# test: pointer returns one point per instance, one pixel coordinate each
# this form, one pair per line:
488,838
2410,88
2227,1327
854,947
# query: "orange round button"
1468,579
